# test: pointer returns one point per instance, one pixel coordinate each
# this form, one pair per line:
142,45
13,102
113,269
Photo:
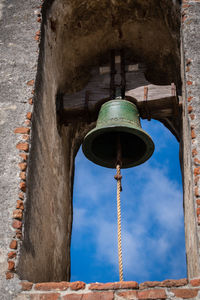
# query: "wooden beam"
156,108
152,101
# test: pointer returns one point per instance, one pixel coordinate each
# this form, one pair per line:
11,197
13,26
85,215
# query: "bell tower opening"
74,79
153,241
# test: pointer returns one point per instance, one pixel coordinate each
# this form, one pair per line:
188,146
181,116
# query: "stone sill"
167,289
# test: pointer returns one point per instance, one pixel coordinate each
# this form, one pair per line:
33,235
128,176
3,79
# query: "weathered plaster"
18,63
191,92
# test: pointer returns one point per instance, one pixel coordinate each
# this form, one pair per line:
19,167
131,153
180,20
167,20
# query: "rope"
118,177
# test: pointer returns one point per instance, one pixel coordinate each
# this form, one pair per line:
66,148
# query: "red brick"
196,171
126,285
54,296
198,203
22,130
30,101
174,282
17,214
185,293
23,156
165,283
48,286
21,195
22,186
73,297
17,224
195,282
77,285
128,295
20,205
189,82
114,285
22,166
99,296
37,32
26,285
37,37
19,234
13,244
90,296
189,109
9,275
196,192
193,134
22,175
12,254
23,146
30,82
11,265
198,211
29,115
152,294
147,295
194,152
190,98
148,284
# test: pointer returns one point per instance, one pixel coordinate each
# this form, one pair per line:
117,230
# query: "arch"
74,41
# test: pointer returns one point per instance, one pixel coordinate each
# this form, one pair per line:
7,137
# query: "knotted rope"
118,177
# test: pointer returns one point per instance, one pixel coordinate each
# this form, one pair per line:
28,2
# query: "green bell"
118,120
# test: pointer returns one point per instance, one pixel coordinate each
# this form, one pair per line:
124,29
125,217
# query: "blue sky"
153,242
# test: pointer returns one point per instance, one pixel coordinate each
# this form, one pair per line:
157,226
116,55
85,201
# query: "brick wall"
167,289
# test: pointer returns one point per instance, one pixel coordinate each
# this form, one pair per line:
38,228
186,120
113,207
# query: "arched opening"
153,240
73,46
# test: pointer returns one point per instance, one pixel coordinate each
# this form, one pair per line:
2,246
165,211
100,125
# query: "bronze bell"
118,120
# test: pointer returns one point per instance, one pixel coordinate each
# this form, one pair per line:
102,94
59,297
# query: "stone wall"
18,66
191,128
41,183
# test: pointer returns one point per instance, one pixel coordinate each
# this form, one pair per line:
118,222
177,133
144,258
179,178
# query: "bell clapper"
118,177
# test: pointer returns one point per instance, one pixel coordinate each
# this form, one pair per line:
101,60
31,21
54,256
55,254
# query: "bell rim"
87,143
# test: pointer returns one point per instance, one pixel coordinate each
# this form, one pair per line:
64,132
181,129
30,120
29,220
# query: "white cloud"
154,128
92,183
